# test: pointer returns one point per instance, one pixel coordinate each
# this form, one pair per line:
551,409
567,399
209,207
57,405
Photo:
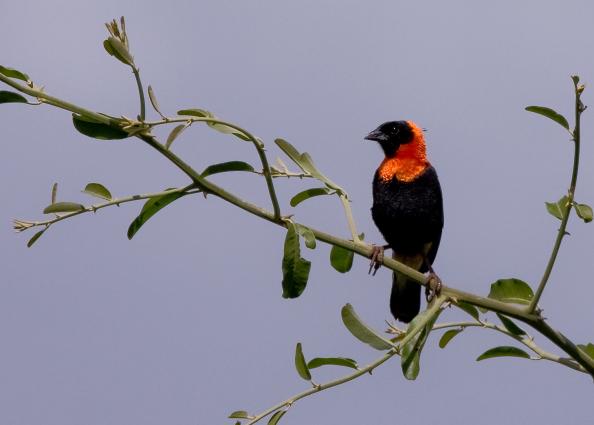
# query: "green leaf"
468,308
153,100
11,97
448,336
587,348
98,190
225,129
304,161
295,269
308,236
510,325
341,259
584,212
150,208
174,133
200,113
361,331
309,193
557,209
549,113
13,73
503,351
97,130
239,414
62,207
276,417
576,79
117,49
332,361
35,237
223,167
410,353
54,192
511,291
300,363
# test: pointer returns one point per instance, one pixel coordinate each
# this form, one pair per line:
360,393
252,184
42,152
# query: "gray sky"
186,323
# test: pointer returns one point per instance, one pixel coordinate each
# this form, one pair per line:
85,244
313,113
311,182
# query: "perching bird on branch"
407,209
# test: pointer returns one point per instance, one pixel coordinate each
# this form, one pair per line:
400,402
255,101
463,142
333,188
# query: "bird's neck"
409,161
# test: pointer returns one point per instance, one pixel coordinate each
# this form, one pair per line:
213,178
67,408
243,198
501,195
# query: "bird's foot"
377,258
433,288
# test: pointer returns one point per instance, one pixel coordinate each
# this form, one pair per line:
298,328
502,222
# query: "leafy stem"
524,339
430,313
579,108
21,225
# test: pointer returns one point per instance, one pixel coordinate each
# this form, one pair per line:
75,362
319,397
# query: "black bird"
407,209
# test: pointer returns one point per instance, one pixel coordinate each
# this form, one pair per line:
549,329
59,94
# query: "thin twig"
93,208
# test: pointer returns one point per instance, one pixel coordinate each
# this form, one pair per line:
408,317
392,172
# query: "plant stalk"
579,108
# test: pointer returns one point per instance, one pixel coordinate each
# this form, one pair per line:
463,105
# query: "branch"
526,340
579,108
431,310
140,93
21,225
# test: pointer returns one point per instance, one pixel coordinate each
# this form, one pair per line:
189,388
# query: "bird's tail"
405,299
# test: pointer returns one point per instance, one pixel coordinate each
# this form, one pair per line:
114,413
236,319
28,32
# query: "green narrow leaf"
557,209
584,212
117,49
309,193
223,167
174,133
341,259
61,207
97,130
503,351
295,269
410,353
308,236
276,417
13,73
11,97
587,348
150,208
301,364
549,113
361,331
54,192
239,414
225,129
332,361
510,325
511,291
201,113
448,336
35,237
98,190
305,162
468,308
153,100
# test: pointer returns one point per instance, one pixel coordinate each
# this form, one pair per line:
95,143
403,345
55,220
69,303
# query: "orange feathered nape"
409,161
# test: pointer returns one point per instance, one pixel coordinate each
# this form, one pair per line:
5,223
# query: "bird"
408,211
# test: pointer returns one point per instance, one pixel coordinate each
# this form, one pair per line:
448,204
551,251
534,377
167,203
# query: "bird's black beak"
376,135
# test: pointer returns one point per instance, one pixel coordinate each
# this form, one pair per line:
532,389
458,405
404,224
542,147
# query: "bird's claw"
377,259
433,288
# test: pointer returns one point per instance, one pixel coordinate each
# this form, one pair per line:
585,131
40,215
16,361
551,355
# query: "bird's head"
391,135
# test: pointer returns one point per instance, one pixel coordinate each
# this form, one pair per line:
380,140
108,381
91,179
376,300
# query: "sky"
185,323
